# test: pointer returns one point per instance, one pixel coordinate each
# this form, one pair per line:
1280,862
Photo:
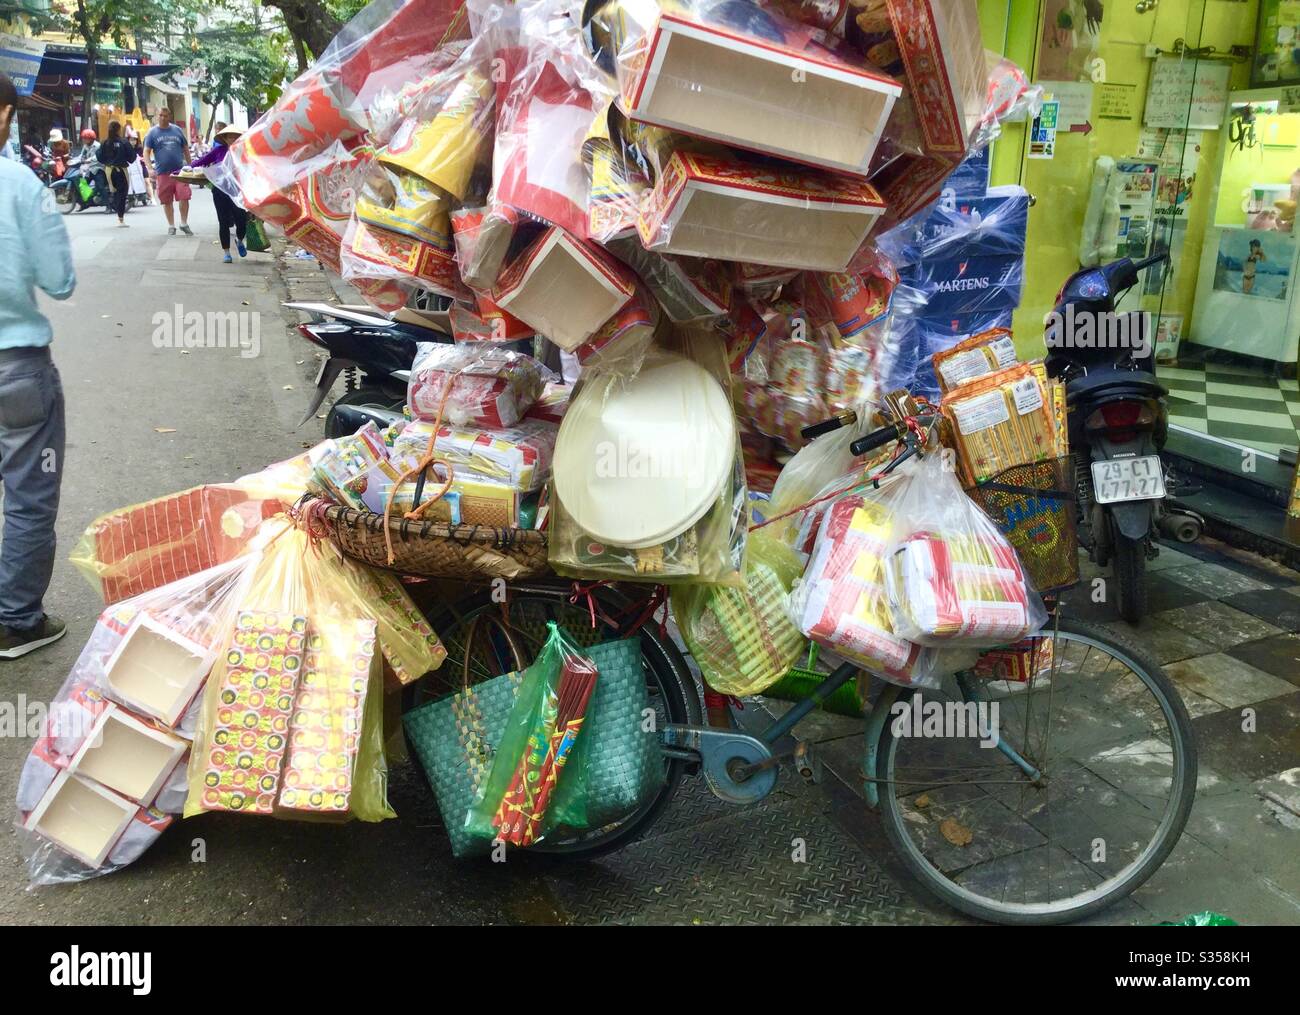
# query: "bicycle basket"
1034,507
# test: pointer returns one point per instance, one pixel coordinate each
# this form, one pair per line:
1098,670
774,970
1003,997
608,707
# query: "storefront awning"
35,101
163,86
76,67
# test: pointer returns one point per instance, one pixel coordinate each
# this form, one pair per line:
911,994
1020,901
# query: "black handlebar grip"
874,440
846,418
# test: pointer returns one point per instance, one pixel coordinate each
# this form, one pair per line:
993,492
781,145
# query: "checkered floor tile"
1238,402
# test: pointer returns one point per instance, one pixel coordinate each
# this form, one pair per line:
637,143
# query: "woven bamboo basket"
437,550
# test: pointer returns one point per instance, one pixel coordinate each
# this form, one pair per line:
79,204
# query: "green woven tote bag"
454,739
625,764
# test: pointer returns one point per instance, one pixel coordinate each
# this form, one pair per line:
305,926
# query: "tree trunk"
92,55
309,22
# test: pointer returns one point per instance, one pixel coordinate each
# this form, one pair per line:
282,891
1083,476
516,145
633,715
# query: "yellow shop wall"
1264,163
1061,185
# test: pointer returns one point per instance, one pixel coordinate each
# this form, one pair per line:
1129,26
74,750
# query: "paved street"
145,421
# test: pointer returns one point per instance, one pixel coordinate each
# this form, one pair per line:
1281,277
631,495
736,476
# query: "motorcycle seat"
1114,383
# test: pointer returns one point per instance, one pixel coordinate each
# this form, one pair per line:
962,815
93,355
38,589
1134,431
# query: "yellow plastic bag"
742,638
292,718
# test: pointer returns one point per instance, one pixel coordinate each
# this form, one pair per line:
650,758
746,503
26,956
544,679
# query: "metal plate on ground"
739,869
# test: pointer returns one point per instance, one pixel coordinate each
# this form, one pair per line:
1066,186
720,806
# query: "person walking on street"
167,150
36,253
116,156
229,214
137,189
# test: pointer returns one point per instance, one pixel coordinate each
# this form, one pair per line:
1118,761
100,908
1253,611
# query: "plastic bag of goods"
742,638
842,602
473,384
950,575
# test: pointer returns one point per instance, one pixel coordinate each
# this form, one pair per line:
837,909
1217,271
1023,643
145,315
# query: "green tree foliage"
241,61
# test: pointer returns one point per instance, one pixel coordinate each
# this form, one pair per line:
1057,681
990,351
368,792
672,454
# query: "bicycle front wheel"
1101,723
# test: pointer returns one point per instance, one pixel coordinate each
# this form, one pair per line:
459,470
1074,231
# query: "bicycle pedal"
806,763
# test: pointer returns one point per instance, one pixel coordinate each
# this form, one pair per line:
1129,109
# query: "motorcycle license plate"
1125,479
320,374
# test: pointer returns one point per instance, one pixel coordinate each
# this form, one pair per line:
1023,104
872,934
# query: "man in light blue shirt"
35,254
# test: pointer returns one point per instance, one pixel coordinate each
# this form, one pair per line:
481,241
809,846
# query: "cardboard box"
127,755
711,207
81,817
942,51
796,100
564,288
157,670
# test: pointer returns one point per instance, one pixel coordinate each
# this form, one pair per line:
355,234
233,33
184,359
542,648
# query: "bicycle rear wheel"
669,686
1114,742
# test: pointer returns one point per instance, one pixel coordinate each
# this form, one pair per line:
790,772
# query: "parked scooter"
69,193
373,354
1118,422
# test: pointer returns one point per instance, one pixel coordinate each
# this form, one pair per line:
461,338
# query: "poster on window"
1255,263
1071,34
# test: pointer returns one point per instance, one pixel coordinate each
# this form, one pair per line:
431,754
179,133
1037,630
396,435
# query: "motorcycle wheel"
1130,560
368,398
63,199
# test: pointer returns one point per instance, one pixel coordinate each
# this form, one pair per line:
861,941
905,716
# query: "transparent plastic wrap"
292,715
842,603
1003,419
548,95
719,207
538,777
974,285
957,228
473,384
976,356
950,575
479,265
132,550
722,71
742,638
648,475
519,455
315,210
389,43
565,287
401,226
913,337
106,774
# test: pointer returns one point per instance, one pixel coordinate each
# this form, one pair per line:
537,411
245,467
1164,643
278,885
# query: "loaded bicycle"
1076,800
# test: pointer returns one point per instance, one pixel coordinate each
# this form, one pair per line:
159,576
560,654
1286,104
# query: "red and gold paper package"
252,710
326,725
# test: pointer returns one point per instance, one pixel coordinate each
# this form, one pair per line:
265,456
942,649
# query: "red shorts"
171,189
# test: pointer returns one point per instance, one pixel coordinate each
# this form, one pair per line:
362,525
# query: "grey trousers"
31,467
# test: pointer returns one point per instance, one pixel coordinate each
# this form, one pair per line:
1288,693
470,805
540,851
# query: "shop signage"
20,58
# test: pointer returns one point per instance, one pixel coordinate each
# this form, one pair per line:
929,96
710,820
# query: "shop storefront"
1175,127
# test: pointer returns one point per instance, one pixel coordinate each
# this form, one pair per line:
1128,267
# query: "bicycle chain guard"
721,752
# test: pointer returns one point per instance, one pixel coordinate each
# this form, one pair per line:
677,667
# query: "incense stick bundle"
1002,420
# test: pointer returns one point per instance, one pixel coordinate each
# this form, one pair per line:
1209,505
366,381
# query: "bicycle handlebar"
876,439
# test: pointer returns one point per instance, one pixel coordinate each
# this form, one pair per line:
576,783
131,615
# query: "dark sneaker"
15,642
187,230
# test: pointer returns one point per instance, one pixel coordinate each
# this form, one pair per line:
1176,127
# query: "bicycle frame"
741,768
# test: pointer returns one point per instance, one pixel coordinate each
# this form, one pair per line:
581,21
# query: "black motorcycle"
371,352
1118,421
69,193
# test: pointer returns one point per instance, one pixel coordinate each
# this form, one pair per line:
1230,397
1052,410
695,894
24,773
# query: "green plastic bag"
85,189
255,236
1205,919
538,778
